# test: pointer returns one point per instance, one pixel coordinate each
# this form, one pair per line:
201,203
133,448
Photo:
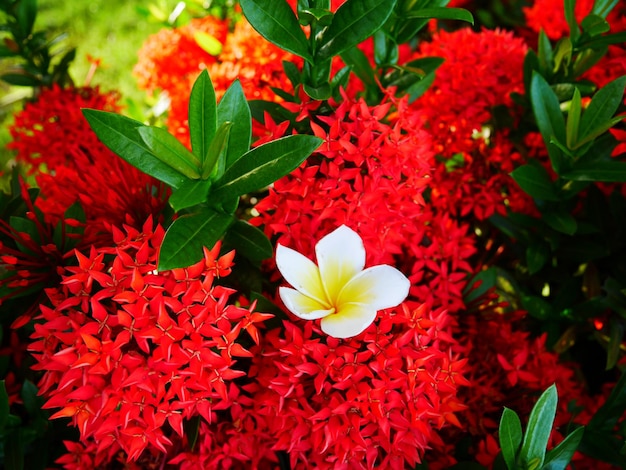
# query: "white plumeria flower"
340,292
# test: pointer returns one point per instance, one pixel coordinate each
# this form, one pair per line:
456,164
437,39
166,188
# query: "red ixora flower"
129,354
373,401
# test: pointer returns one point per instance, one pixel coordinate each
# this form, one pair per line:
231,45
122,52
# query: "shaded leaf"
249,241
215,162
538,431
510,433
603,106
184,239
202,115
547,110
189,194
559,457
535,181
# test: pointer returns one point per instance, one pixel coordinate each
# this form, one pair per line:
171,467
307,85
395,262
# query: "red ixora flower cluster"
172,59
373,401
129,353
55,141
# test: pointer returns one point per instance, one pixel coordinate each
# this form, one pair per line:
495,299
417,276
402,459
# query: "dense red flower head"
71,165
172,60
376,400
129,353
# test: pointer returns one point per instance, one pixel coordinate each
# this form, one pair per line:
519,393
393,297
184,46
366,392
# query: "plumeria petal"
301,273
378,287
340,256
303,306
351,320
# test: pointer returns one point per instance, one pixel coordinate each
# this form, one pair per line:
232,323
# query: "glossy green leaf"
603,106
594,25
535,181
215,162
121,135
559,457
319,16
202,115
276,22
189,194
405,29
354,21
234,108
249,241
263,165
170,151
185,238
597,132
459,14
67,236
510,433
547,109
292,72
606,170
319,93
533,451
573,120
419,88
603,7
563,53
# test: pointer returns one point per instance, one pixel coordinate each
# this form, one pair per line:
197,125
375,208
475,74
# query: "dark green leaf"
547,110
615,341
215,162
258,108
185,238
354,21
32,401
292,72
589,57
233,107
417,90
67,236
26,14
121,135
249,241
608,415
320,93
563,53
545,53
170,151
340,80
276,22
561,221
202,115
319,16
535,181
570,17
598,44
385,50
360,66
189,194
191,427
14,451
608,171
24,225
537,307
510,433
480,284
7,52
538,430
537,254
263,165
559,457
443,14
594,25
20,79
603,106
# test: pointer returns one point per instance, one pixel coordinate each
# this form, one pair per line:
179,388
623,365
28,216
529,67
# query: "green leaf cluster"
208,180
528,450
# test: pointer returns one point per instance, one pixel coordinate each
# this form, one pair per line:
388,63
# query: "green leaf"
537,254
589,57
417,90
26,13
170,151
208,43
263,165
234,108
479,284
215,154
535,181
538,430
570,17
319,16
559,457
560,221
185,238
20,79
249,241
616,335
573,120
547,109
202,115
440,13
510,433
120,134
605,170
32,401
603,7
292,72
354,21
276,22
24,225
563,53
66,236
537,307
609,414
360,66
594,25
189,194
603,106
14,450
544,53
